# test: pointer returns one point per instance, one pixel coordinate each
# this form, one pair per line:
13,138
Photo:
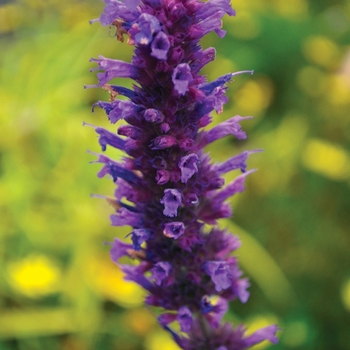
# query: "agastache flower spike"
170,184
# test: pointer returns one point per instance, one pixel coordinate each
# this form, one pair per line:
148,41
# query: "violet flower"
169,179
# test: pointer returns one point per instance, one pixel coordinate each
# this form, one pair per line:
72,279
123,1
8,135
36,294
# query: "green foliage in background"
58,288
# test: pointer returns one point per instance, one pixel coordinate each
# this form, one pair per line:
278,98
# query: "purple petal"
117,9
126,217
206,305
132,4
131,131
240,288
165,319
201,58
119,249
118,110
139,236
163,142
118,171
206,25
236,162
162,177
213,6
220,274
165,127
160,46
267,333
172,200
174,229
221,81
136,274
219,310
188,166
143,30
237,185
160,272
185,319
153,116
176,55
182,77
114,69
230,244
229,127
108,138
191,199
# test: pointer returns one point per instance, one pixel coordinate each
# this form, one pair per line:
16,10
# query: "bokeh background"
58,288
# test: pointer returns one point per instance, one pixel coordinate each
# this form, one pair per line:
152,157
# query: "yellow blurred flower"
321,51
160,340
34,276
327,159
107,280
345,295
254,96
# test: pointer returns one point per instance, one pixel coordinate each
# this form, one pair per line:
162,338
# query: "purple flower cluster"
167,187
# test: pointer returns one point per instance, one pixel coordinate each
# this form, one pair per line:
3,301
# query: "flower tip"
88,124
94,20
93,153
256,151
93,195
90,86
251,171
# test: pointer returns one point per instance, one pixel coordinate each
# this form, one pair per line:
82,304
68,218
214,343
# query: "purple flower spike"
219,273
172,200
174,229
185,319
168,190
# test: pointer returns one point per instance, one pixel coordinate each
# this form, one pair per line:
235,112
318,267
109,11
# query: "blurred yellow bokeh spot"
10,17
254,96
327,159
34,276
245,20
107,280
297,9
338,92
345,295
322,51
160,340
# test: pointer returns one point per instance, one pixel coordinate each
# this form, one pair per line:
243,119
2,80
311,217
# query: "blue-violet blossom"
172,185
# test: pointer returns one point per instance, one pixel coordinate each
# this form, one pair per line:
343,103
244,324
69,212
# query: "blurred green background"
58,288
